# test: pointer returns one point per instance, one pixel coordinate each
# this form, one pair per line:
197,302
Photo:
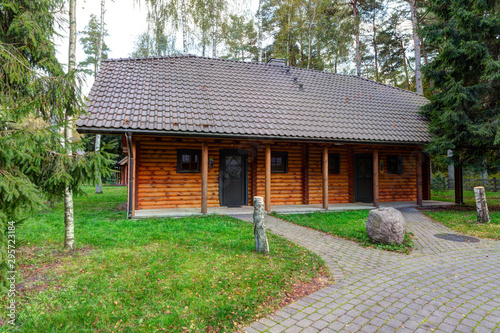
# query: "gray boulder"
386,225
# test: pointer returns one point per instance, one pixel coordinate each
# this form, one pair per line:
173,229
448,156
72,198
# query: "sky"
125,20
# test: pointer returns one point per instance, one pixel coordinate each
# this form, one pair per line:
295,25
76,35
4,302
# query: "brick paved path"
444,286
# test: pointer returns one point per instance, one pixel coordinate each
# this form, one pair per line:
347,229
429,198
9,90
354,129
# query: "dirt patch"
36,277
299,290
121,207
304,288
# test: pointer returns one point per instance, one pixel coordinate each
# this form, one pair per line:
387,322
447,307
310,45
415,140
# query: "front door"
363,178
233,177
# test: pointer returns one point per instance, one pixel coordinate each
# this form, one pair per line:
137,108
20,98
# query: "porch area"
281,209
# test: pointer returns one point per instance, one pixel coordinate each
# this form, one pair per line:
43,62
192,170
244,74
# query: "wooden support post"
254,172
375,179
130,175
268,179
204,177
459,191
419,178
351,175
305,174
325,178
135,148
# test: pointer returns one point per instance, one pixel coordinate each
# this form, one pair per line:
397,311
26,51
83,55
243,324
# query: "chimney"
277,62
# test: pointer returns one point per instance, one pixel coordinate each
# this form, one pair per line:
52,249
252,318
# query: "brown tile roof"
203,96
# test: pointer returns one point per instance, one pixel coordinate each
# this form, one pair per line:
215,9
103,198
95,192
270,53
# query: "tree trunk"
483,215
261,243
451,170
184,26
484,172
288,41
424,53
404,63
69,219
98,186
416,41
375,50
356,28
259,37
214,30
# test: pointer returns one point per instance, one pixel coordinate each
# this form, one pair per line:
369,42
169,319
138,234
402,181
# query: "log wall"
160,186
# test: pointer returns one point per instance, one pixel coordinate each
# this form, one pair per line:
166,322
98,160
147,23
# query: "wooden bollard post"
483,215
261,243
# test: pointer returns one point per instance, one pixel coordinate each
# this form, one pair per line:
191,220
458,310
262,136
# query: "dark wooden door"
233,178
363,178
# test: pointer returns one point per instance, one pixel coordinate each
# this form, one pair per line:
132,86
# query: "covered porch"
171,176
281,209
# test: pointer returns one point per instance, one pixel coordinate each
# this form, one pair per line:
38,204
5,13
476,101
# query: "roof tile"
203,95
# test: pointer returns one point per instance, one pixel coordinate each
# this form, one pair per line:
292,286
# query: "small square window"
395,165
188,160
279,162
333,163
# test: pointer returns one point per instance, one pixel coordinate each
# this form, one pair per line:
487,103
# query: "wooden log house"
203,132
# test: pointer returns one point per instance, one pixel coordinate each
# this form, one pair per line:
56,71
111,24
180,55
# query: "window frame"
330,157
284,156
181,152
400,165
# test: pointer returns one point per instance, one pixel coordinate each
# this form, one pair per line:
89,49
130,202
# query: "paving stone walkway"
444,286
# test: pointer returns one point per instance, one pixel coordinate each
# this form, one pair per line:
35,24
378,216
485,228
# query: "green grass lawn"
176,275
493,198
463,218
465,222
346,224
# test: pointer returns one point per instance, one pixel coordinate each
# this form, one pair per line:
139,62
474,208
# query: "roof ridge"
187,55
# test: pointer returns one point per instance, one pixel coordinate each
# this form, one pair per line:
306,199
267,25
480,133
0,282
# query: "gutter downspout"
130,193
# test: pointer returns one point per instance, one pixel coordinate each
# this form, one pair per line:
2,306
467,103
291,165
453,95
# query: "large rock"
386,225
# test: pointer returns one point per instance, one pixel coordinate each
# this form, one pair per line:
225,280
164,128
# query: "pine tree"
464,113
241,38
90,40
34,92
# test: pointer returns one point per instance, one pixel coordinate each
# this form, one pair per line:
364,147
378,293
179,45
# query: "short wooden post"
419,178
494,184
375,179
268,179
483,215
325,178
261,243
204,177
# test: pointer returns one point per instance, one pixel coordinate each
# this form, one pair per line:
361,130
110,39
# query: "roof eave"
119,131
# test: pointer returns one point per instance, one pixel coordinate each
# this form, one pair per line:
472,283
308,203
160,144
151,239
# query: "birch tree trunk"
184,26
483,215
69,218
214,37
356,28
261,243
98,186
416,41
259,37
